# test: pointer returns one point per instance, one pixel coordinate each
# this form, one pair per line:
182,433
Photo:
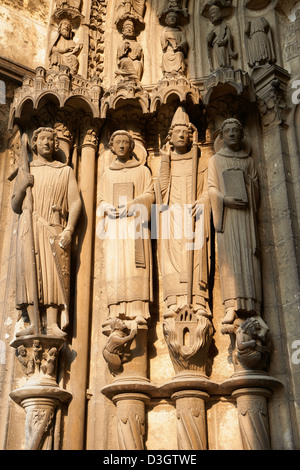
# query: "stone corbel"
271,85
40,395
250,385
188,337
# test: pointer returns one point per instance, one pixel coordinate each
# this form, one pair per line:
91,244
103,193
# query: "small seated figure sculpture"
64,50
114,350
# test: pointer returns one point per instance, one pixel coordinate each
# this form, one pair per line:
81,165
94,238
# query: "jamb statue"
47,199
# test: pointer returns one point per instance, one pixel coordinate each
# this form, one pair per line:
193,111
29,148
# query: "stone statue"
260,42
174,46
234,193
177,189
120,337
133,7
253,343
47,198
64,50
219,41
130,56
126,196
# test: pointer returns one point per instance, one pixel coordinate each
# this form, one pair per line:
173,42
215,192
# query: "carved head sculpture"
181,131
215,14
65,28
45,142
128,30
232,134
171,19
121,144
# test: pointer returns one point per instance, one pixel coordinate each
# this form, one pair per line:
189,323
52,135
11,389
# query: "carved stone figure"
133,7
219,41
260,43
174,46
130,56
48,201
64,50
177,189
26,361
121,336
252,343
234,193
126,195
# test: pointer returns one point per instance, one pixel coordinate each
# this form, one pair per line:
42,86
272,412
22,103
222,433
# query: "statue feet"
56,331
30,330
230,316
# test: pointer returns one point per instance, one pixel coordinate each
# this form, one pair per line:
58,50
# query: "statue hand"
65,239
233,203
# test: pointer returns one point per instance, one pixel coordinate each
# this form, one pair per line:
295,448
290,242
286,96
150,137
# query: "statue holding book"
234,193
126,196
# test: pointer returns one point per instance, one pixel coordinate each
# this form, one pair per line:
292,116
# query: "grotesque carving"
219,41
64,50
253,343
234,193
260,42
120,338
126,195
182,187
130,57
48,201
174,45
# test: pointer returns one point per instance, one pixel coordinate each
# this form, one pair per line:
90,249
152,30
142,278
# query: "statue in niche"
260,42
126,196
234,193
132,7
219,41
47,199
64,50
120,339
174,46
130,56
185,199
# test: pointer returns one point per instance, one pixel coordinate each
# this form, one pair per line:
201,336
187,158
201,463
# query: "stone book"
235,186
122,193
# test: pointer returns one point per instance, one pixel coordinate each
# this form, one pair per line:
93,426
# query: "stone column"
131,420
253,417
40,395
80,344
191,419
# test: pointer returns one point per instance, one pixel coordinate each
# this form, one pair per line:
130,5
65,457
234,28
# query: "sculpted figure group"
189,193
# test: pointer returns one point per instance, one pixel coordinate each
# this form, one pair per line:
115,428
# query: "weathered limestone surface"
87,406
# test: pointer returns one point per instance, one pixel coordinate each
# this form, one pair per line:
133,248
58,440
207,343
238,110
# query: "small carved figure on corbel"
260,42
174,45
116,351
49,367
253,343
130,56
219,41
37,352
26,361
64,51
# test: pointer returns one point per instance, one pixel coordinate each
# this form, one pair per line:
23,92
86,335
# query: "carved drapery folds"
216,192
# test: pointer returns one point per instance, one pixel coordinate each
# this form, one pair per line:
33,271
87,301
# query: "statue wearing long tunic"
174,46
127,245
219,41
174,185
130,56
55,211
234,193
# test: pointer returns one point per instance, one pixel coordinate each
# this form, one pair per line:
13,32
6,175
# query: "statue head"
128,30
171,18
65,28
181,131
215,14
122,144
45,142
232,134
